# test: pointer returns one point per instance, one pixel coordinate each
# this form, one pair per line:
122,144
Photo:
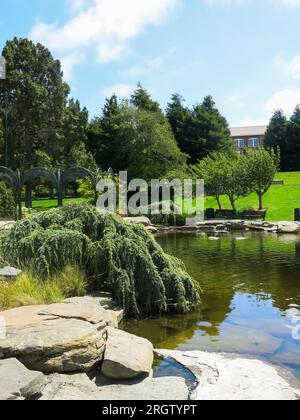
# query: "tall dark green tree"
276,135
37,97
292,158
141,99
210,131
180,119
75,124
200,131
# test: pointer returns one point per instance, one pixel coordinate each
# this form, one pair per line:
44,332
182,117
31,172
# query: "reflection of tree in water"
259,266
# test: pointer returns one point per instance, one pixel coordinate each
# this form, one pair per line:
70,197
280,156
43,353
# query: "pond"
251,298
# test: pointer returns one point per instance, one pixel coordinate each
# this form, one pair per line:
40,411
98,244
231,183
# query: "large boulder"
19,383
55,338
103,304
81,387
126,355
288,227
228,377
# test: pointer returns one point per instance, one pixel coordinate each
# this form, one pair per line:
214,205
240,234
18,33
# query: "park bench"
254,214
225,214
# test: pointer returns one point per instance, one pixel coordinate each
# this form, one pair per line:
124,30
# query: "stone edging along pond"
74,351
226,226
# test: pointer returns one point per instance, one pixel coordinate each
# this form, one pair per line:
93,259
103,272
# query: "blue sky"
246,53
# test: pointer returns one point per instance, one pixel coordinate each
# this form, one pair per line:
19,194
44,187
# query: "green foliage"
28,290
238,175
44,128
261,168
199,131
123,259
135,136
7,202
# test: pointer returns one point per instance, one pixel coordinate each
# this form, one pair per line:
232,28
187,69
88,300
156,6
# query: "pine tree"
141,99
276,135
180,119
292,162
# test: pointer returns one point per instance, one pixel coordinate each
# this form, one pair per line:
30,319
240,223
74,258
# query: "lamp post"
3,77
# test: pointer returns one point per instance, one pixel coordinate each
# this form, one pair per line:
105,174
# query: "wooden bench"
225,214
254,214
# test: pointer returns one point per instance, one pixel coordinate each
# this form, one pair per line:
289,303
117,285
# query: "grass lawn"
44,203
280,200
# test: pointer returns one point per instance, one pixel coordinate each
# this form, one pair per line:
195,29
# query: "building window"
253,142
240,143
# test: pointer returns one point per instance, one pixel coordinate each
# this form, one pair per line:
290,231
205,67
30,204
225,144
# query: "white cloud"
105,26
286,99
69,62
289,67
120,89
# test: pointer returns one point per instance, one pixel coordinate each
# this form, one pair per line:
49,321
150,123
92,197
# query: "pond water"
250,302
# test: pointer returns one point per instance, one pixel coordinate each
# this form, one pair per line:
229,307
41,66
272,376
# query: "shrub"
7,202
122,258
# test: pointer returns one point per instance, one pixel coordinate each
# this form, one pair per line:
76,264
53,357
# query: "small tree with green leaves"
211,170
262,166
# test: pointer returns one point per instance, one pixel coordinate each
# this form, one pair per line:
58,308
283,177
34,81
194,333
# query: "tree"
276,135
75,123
261,167
153,152
200,131
211,170
141,99
134,138
180,119
234,178
37,97
293,142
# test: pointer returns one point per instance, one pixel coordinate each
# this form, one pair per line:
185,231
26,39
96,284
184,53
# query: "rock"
10,272
126,355
236,225
103,304
17,382
55,338
228,377
81,387
138,220
152,229
288,227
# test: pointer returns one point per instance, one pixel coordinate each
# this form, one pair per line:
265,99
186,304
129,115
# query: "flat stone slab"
228,377
81,387
288,227
126,356
19,383
55,338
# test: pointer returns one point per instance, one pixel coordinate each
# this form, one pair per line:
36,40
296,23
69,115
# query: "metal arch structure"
37,173
59,181
71,175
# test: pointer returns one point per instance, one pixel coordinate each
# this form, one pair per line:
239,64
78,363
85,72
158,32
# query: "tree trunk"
219,202
260,196
232,202
28,195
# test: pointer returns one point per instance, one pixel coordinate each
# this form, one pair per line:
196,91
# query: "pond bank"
74,351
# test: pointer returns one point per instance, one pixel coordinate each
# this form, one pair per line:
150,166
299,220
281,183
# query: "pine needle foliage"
121,258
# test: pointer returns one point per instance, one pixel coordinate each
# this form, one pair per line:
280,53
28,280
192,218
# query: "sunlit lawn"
281,200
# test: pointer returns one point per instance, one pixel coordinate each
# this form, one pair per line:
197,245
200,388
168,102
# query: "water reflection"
249,288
